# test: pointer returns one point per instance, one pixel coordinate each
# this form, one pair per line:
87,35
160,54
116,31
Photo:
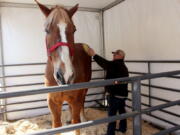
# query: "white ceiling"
82,3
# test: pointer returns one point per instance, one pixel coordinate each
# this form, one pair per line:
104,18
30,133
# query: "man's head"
118,54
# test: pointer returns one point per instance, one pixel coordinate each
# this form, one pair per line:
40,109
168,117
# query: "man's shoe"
121,130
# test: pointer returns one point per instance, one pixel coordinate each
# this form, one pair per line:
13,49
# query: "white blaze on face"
64,53
56,69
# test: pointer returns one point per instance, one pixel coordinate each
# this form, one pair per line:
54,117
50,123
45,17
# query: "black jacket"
114,69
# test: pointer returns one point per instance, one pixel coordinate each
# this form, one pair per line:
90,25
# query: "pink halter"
58,44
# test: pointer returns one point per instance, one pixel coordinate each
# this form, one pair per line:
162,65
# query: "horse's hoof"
83,118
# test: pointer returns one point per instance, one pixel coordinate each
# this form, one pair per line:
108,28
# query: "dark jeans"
116,105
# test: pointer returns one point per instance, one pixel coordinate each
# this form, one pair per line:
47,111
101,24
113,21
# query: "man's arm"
100,61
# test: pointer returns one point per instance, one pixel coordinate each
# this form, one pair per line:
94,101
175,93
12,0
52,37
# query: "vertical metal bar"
149,82
102,41
102,32
3,68
136,105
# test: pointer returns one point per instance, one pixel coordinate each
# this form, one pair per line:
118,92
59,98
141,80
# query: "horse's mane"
58,13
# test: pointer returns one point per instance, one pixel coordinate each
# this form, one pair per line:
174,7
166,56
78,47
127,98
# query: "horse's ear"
73,10
46,11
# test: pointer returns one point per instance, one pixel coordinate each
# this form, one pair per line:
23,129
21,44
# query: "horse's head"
60,39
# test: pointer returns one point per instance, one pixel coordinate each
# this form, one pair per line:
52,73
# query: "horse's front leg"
76,108
82,114
55,109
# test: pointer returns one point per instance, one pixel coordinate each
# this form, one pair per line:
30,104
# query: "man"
117,93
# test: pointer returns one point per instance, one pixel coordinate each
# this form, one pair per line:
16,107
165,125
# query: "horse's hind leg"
68,120
82,114
56,113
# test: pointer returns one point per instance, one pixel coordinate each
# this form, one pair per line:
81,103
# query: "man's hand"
91,52
116,82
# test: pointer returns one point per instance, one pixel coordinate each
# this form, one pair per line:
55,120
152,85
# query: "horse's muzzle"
71,79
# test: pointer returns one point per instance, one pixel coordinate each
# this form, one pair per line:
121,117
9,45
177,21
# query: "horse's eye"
47,31
75,30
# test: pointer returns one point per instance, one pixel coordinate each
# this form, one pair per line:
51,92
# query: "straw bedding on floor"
40,123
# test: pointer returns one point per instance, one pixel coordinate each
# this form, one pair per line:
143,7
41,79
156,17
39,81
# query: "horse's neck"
81,48
82,62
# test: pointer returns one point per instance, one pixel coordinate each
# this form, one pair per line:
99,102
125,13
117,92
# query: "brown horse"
67,62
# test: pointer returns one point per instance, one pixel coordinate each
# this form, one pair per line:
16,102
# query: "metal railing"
149,64
6,106
136,113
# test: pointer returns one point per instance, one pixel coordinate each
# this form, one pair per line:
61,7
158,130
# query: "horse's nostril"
60,77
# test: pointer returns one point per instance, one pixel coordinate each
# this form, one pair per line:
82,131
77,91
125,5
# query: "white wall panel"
23,32
144,29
